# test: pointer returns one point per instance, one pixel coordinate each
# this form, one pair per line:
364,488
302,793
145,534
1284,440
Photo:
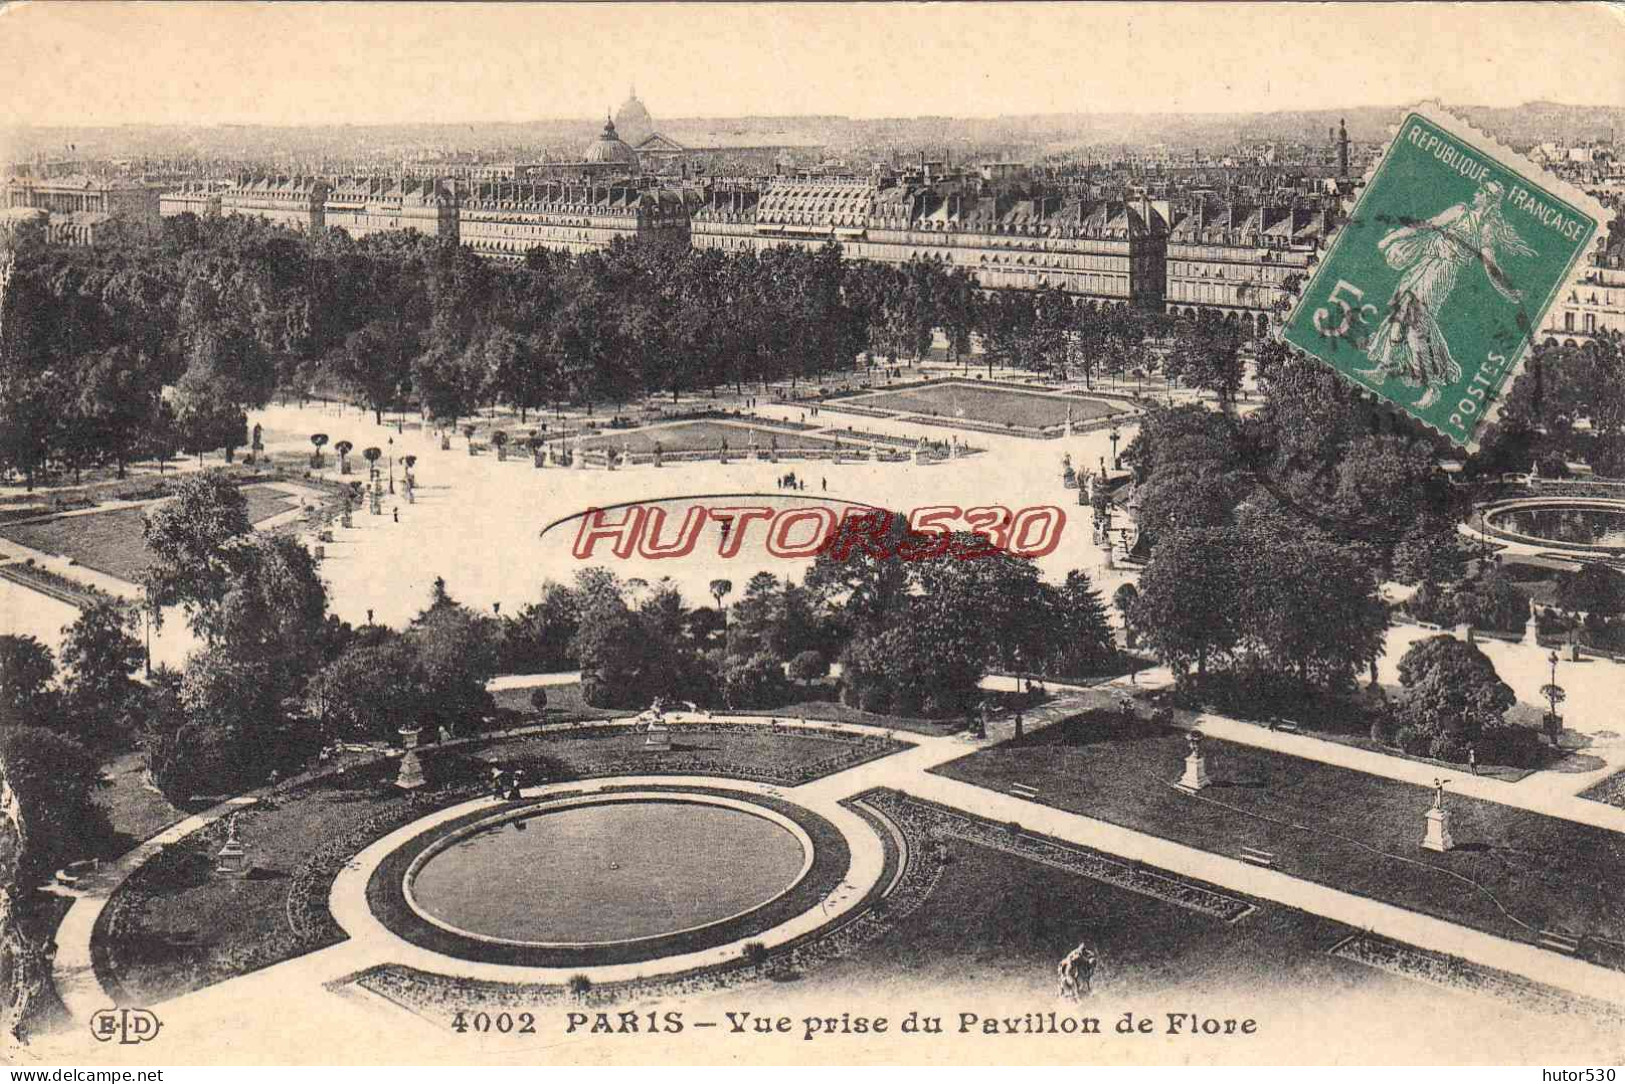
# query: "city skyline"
109,64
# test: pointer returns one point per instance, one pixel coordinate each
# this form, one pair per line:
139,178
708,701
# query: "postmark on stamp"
1433,291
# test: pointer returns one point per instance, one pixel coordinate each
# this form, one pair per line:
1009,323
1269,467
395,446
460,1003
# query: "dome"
608,150
633,120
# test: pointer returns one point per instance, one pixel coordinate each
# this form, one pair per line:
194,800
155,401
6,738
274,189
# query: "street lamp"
1115,435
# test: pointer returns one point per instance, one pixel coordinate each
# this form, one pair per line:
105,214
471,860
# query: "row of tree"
912,638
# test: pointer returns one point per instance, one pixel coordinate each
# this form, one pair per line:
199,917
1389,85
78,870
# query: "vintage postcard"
554,535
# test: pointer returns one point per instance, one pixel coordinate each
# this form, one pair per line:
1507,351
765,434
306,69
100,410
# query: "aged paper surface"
833,562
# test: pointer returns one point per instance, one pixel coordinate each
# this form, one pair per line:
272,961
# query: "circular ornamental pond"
1592,525
608,872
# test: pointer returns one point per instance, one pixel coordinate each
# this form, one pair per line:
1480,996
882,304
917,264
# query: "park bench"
1022,790
1558,941
1286,726
1255,857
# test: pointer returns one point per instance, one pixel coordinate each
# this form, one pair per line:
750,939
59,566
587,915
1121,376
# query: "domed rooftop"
608,150
633,120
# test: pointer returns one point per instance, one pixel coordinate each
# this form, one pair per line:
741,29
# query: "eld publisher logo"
128,1026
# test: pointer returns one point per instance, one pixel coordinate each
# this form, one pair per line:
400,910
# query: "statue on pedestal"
1195,777
410,776
1438,821
233,857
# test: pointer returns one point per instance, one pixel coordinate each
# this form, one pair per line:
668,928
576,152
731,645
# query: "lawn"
1356,832
784,757
992,406
998,922
1345,718
834,711
175,926
705,436
111,541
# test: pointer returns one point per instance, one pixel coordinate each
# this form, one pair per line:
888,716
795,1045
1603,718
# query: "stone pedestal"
1438,830
1531,633
232,860
657,738
659,457
916,457
445,444
410,776
578,460
1464,633
1195,777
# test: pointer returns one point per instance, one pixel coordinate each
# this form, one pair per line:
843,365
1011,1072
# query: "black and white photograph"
675,534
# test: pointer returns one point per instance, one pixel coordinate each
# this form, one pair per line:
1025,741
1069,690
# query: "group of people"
790,481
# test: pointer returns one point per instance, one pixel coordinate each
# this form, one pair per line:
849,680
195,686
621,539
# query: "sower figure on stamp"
1408,342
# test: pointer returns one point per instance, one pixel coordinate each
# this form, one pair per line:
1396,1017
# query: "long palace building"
1144,252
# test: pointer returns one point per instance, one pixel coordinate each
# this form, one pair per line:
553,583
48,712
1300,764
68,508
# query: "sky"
96,63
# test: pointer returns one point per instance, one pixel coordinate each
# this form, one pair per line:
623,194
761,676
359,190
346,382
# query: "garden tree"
342,449
369,691
1308,607
232,363
756,615
1390,495
188,536
808,666
1188,612
753,681
51,779
850,582
537,639
1428,552
316,441
1188,495
720,589
915,667
626,661
161,437
1452,697
1206,355
27,670
372,455
1183,437
455,655
1082,637
118,399
271,609
233,731
31,408
999,595
375,363
1594,588
101,657
205,420
1124,598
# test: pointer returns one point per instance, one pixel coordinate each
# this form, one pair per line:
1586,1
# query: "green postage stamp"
1434,289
